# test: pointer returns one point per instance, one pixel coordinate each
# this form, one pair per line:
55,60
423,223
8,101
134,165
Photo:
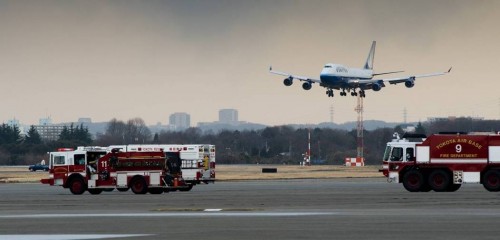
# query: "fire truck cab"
93,169
400,150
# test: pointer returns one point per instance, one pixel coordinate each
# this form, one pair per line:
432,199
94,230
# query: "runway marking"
212,210
207,210
170,214
68,236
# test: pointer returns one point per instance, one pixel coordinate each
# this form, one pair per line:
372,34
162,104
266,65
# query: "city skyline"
48,121
124,59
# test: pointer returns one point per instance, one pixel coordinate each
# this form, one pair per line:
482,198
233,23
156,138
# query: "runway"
291,209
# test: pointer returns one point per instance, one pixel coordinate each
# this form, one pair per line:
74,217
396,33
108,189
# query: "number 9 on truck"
458,148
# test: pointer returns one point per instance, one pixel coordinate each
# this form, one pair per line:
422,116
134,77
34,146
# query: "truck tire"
95,191
155,190
186,189
453,187
77,186
123,189
138,185
439,180
413,181
425,188
491,180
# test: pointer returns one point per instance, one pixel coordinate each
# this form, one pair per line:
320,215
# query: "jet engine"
288,81
409,84
376,87
306,85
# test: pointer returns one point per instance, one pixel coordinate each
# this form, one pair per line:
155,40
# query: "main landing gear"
361,93
354,93
329,92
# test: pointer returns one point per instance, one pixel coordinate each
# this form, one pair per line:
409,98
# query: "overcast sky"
124,59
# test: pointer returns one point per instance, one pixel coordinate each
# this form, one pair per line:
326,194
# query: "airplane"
340,77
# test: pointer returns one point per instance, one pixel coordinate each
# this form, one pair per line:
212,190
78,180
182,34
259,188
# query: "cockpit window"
328,66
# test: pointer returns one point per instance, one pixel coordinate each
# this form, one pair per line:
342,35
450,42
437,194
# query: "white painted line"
212,210
68,236
171,214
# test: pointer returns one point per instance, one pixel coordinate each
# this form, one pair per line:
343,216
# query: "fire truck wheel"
453,187
439,180
425,188
186,189
95,191
77,186
491,180
413,181
138,185
123,189
155,190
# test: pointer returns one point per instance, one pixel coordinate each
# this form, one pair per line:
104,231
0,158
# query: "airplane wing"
410,78
359,82
301,78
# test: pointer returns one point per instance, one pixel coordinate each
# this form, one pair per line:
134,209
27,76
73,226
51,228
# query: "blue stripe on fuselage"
332,81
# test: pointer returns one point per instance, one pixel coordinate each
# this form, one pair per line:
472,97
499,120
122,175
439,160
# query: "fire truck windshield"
397,154
387,153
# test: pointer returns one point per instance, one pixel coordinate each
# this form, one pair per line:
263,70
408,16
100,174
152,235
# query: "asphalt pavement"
291,209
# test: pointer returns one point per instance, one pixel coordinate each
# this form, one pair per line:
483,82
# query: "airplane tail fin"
371,56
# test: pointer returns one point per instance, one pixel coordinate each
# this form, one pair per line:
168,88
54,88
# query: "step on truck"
443,162
93,169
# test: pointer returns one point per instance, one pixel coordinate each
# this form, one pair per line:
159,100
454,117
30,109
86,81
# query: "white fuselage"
335,74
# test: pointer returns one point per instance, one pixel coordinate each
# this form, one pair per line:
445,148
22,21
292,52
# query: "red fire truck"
96,170
443,162
198,160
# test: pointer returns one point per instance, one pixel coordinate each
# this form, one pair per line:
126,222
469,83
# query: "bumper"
47,181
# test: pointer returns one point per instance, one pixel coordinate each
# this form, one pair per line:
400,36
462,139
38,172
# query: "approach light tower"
359,110
308,154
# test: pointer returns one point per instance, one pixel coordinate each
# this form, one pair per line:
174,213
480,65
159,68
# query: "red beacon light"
65,149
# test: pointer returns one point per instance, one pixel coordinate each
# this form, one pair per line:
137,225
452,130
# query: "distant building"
229,116
45,121
180,120
15,123
453,118
159,127
49,132
84,120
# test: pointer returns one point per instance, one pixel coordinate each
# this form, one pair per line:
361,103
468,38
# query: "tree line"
277,145
16,149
